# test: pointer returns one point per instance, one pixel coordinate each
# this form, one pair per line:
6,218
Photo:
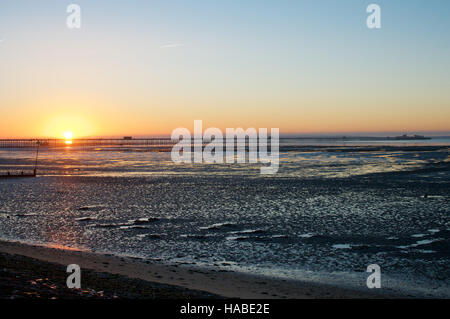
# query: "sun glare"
68,135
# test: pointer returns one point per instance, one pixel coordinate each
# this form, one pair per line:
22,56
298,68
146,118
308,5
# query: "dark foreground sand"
40,272
25,277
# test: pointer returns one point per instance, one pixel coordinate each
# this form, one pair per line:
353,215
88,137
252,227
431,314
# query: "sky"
148,67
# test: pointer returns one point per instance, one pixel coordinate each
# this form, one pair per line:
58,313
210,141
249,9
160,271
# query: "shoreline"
194,282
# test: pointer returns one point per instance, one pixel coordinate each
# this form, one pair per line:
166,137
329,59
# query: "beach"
40,272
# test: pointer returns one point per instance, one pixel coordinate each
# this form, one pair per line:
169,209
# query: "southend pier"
84,142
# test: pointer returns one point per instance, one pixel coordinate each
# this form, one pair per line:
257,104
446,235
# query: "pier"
84,142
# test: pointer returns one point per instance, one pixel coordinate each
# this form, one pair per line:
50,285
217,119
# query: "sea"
334,208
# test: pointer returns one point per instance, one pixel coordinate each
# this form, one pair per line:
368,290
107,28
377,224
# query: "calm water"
325,216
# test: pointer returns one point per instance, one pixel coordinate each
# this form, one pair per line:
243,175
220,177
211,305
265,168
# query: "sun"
68,135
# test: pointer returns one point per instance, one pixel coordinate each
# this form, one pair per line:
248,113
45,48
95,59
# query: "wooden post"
37,153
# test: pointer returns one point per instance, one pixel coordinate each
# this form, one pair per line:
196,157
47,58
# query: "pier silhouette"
84,142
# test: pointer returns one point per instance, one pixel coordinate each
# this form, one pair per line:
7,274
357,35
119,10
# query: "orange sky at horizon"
96,115
95,119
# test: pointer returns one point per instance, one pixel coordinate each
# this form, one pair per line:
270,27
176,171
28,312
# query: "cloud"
171,45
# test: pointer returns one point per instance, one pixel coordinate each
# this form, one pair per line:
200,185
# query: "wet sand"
107,276
28,278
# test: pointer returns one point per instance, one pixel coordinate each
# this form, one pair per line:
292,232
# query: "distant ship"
413,137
